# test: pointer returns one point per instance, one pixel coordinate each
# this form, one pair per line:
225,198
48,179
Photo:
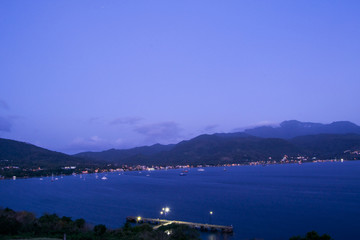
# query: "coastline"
161,168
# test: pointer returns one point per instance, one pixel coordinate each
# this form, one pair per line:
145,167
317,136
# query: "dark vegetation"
26,225
312,236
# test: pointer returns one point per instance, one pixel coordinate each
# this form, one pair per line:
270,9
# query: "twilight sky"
93,75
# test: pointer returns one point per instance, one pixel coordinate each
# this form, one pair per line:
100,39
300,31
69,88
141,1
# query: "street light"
211,213
165,210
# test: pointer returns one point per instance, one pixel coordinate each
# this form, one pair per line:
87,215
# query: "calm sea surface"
271,202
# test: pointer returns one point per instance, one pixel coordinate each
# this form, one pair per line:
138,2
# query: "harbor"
199,226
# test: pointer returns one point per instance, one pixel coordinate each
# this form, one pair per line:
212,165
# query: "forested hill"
27,154
240,148
24,159
120,154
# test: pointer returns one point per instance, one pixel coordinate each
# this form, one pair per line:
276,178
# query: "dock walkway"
200,226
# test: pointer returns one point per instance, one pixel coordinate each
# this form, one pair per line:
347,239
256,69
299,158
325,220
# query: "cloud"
4,105
5,124
160,132
210,128
93,143
258,124
126,121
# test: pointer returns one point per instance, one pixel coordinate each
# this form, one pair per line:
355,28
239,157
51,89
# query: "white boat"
104,178
201,170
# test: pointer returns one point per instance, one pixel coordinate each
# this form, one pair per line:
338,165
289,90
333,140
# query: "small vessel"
201,170
104,178
41,179
182,174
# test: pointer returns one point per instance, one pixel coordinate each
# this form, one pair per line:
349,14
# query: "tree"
80,223
99,229
312,236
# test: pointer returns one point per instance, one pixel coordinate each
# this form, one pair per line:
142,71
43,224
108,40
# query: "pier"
199,226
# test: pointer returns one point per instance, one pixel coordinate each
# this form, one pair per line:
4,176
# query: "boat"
182,174
201,170
104,178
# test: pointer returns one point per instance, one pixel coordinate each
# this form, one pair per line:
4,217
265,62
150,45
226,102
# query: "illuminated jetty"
199,226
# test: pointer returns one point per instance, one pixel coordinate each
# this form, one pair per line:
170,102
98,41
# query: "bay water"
266,202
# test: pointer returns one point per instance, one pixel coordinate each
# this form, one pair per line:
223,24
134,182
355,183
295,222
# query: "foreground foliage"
26,225
312,236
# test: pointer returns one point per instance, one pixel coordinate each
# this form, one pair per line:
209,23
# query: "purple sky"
93,75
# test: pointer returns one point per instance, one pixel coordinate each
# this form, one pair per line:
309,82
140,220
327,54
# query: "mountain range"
293,128
292,138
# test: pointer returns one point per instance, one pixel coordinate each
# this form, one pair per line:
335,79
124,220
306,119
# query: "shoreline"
160,168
